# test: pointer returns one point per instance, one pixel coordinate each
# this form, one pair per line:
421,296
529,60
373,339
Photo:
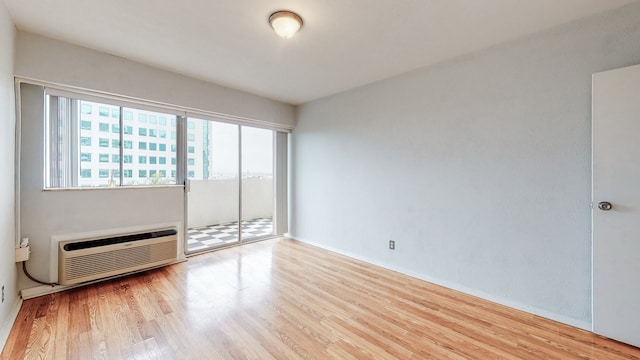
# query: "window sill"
108,188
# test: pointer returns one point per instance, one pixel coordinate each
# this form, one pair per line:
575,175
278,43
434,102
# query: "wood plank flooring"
282,299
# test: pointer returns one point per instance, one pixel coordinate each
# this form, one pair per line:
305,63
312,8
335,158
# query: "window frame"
181,113
74,143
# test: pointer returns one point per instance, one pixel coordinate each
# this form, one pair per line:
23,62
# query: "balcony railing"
213,210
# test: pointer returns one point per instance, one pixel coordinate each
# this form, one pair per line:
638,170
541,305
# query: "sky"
257,149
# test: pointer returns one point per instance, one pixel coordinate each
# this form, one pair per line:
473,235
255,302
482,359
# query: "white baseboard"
584,325
5,330
41,290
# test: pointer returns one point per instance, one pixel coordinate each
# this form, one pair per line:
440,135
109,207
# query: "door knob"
605,205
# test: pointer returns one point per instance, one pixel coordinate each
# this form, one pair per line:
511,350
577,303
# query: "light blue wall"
7,143
478,168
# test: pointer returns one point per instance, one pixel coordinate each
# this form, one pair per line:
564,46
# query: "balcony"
213,212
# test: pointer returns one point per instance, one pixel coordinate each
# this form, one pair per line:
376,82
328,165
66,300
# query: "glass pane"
144,153
99,146
212,170
257,183
83,144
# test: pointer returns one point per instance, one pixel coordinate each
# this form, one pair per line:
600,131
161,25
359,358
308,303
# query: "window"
191,125
191,161
191,149
148,152
173,161
162,134
191,137
99,160
173,148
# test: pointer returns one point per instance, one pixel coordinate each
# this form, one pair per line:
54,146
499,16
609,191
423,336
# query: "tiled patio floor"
217,235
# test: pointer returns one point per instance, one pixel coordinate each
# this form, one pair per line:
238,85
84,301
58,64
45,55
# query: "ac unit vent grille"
118,239
80,265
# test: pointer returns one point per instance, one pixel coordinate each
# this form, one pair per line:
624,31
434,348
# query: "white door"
616,181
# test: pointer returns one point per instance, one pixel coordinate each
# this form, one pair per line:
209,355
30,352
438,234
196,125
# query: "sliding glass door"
213,184
230,184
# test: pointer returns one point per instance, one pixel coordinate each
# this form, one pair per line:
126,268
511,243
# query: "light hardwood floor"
282,299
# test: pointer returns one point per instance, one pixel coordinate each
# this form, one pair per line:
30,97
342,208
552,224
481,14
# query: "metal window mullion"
181,172
181,151
239,184
121,121
74,143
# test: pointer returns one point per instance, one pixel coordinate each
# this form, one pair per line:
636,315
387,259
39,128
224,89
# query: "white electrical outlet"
22,253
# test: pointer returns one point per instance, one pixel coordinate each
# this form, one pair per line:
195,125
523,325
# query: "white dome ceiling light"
285,23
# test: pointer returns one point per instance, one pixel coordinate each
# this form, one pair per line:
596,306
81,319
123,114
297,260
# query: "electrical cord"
24,268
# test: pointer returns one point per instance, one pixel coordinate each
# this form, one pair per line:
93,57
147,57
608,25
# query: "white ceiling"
343,43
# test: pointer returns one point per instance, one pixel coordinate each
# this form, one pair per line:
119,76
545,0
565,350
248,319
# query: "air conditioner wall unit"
95,258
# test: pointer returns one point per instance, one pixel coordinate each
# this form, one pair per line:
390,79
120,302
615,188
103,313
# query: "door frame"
280,188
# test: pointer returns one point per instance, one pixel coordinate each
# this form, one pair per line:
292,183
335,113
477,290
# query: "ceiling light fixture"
285,23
